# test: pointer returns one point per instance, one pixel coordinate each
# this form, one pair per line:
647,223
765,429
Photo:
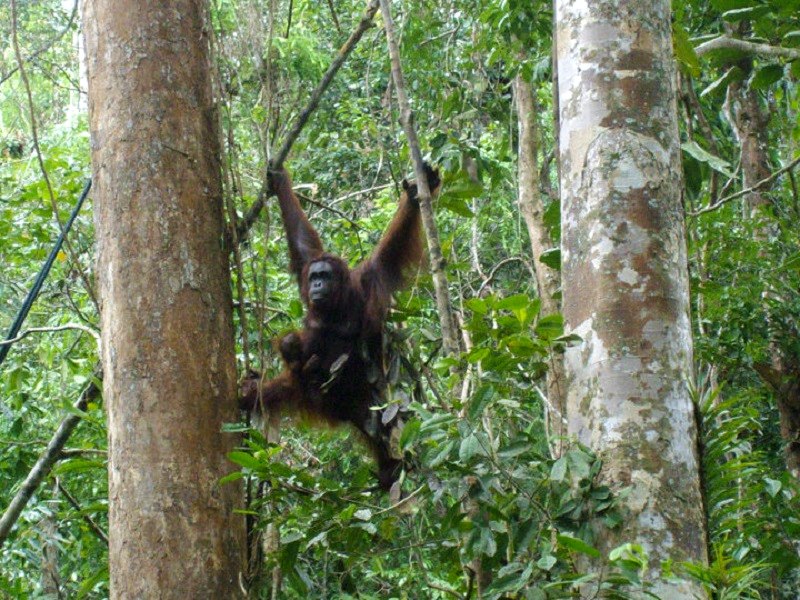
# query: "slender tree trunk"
749,120
625,281
51,581
548,280
440,285
168,354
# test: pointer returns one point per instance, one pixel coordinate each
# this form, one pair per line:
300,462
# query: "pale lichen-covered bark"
168,354
624,274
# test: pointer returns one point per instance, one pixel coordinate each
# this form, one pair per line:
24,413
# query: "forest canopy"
497,497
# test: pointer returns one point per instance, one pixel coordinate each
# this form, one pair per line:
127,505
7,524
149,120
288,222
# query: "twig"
728,43
754,188
47,46
365,23
89,521
45,462
289,19
65,327
335,18
363,192
434,247
497,267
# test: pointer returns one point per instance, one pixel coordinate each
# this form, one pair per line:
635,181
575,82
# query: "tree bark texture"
548,280
168,353
624,274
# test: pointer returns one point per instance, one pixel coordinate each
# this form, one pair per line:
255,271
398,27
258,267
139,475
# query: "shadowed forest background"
499,501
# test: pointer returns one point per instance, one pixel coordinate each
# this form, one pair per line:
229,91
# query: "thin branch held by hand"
434,247
364,24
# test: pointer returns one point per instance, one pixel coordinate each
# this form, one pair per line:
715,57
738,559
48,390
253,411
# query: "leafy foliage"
484,488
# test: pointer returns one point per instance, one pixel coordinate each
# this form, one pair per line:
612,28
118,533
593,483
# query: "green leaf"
766,76
684,51
521,345
243,459
477,305
550,327
464,189
235,476
551,258
791,39
559,470
478,354
515,302
363,514
470,446
514,449
547,562
694,150
751,13
410,433
78,465
720,85
505,584
441,455
773,486
455,205
480,400
577,545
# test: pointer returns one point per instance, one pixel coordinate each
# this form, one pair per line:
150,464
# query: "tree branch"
89,521
31,57
365,23
65,327
725,42
757,186
45,462
449,338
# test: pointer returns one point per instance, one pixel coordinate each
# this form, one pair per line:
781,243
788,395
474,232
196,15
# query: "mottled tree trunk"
168,354
548,280
624,273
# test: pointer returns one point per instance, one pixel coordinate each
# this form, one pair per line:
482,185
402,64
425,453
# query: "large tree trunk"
168,354
625,281
548,280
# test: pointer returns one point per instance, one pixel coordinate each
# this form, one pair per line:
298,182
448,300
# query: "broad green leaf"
693,149
559,470
514,302
750,13
480,399
547,562
550,327
243,459
766,76
470,446
551,258
721,84
684,51
476,305
577,545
